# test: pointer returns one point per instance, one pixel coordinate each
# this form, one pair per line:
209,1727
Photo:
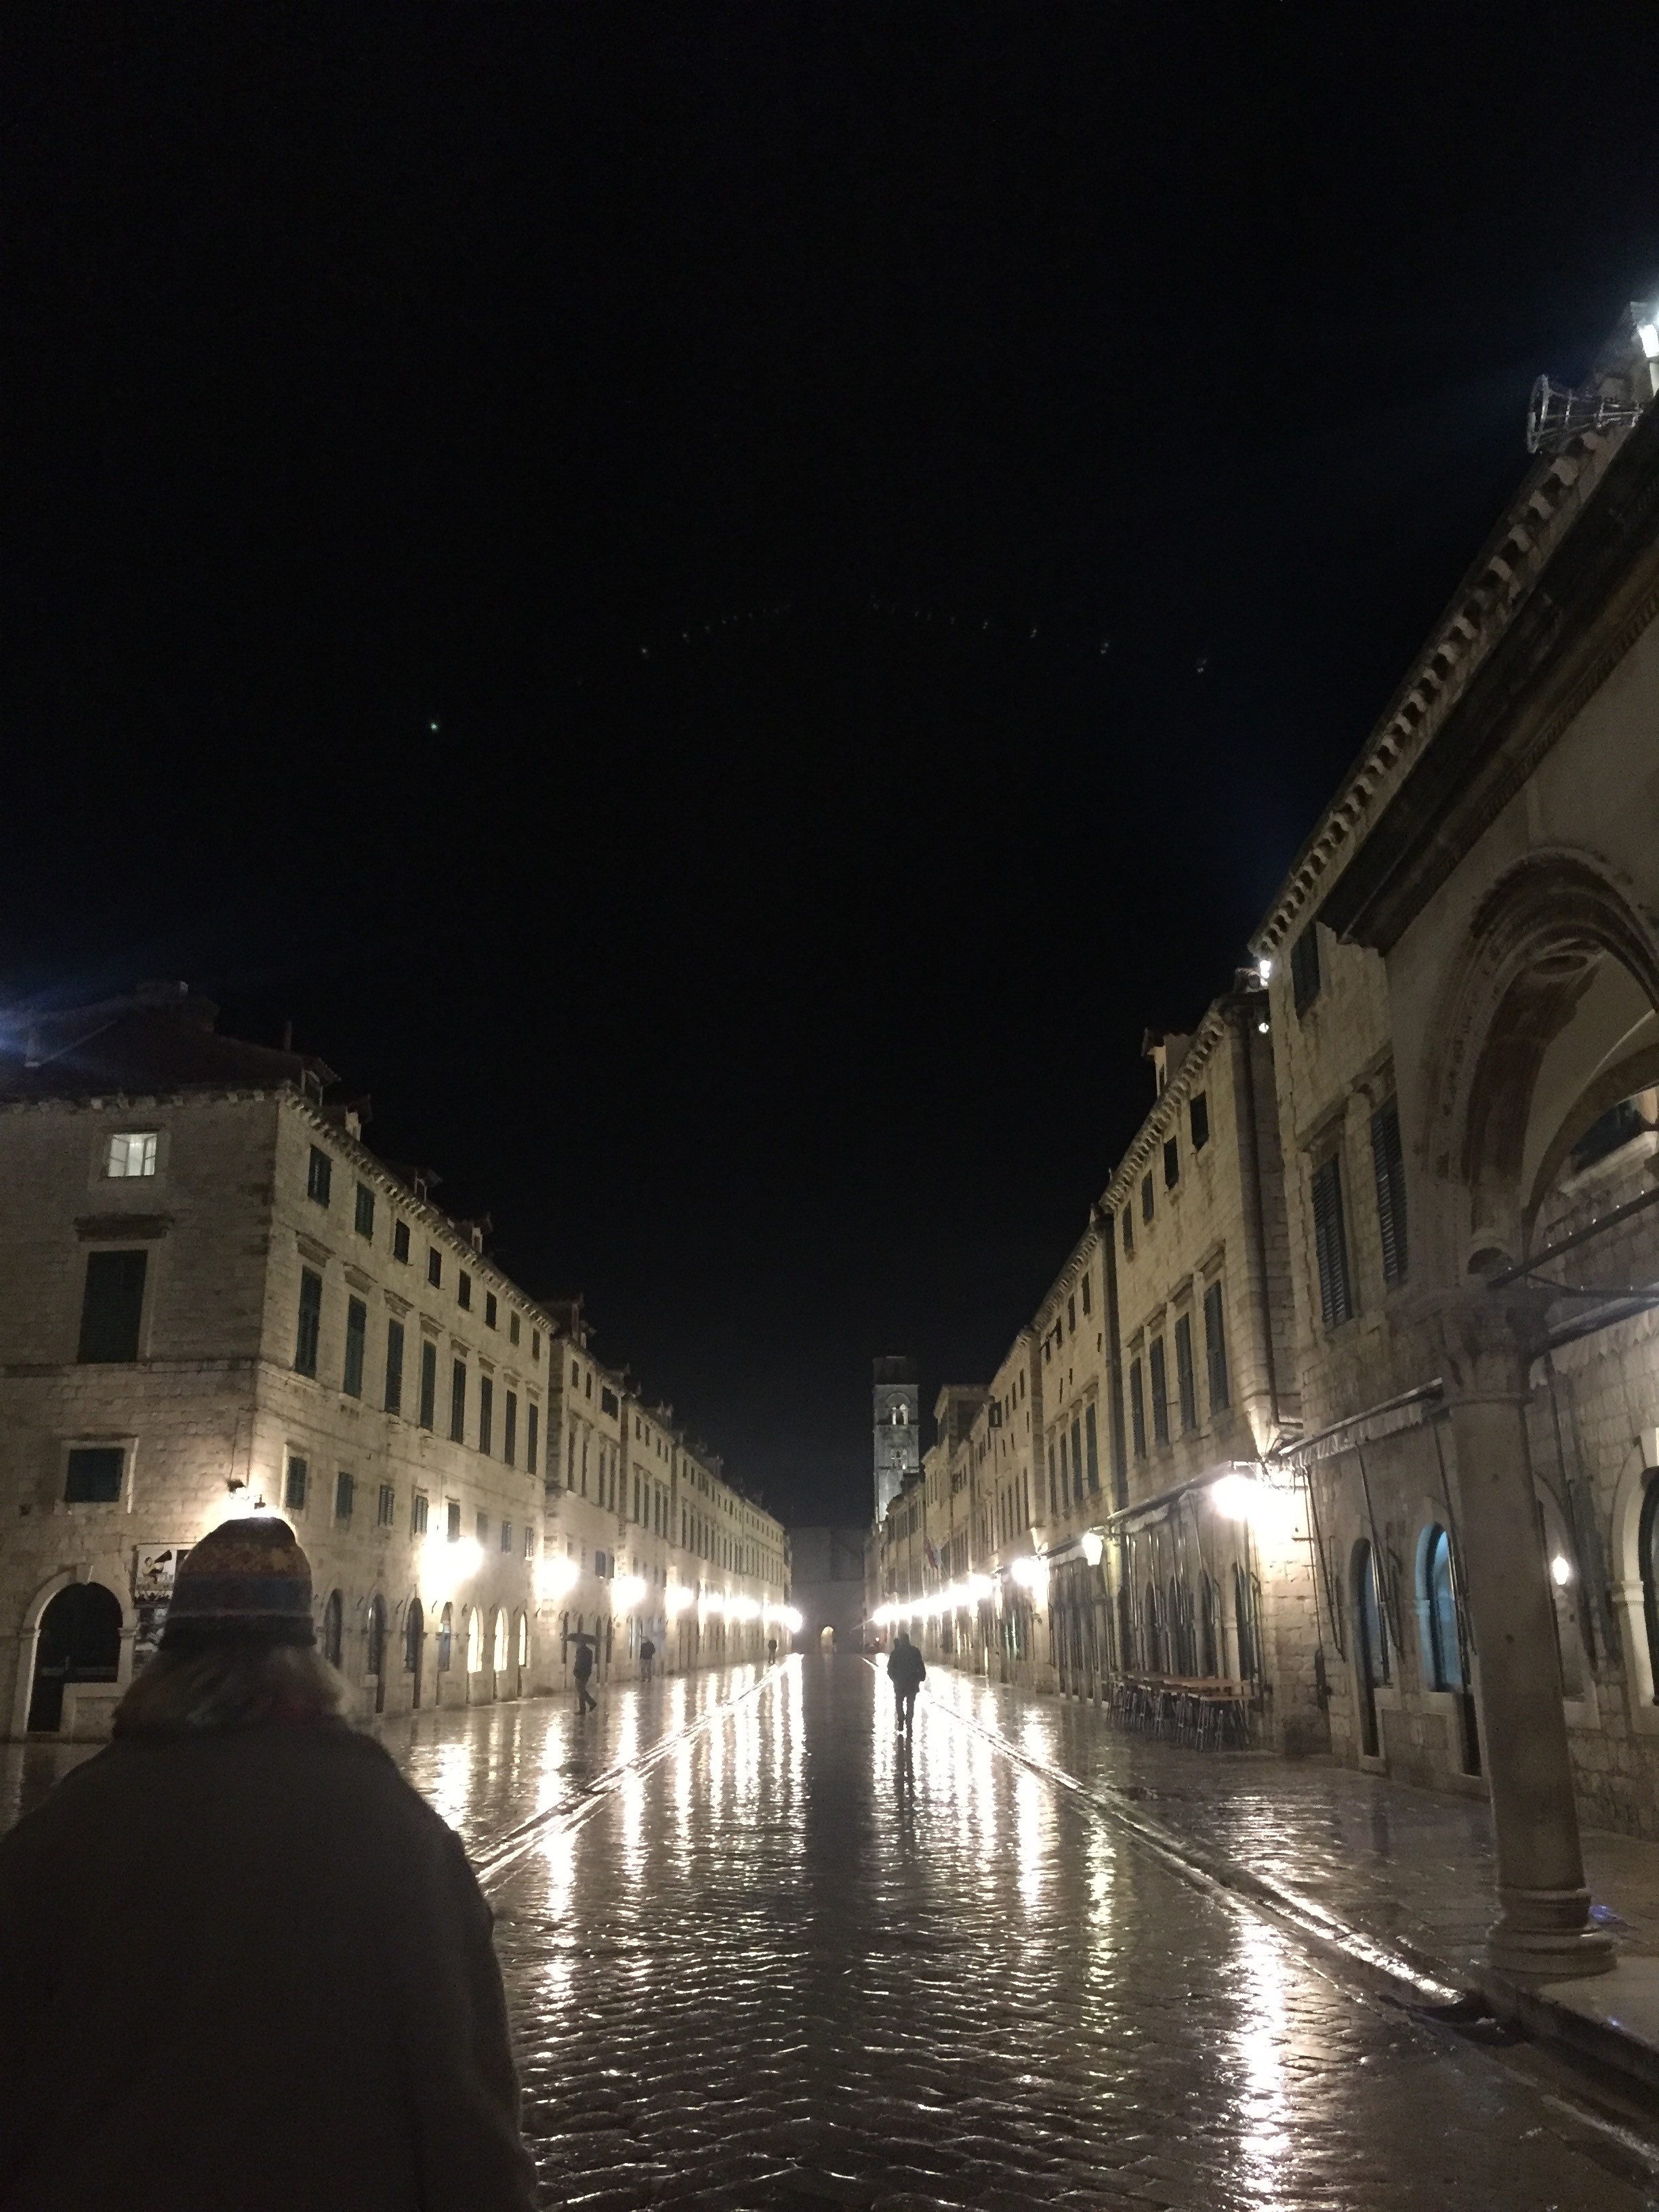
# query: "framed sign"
152,1578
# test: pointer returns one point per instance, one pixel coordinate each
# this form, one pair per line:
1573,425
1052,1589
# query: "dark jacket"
247,1972
905,1667
583,1665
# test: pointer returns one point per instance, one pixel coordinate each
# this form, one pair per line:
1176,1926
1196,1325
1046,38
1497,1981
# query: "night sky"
722,605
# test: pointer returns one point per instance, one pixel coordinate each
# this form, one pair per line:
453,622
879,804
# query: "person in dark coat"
582,1667
648,1660
246,1968
907,1672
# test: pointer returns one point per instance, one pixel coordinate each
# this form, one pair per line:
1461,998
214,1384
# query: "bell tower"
898,1430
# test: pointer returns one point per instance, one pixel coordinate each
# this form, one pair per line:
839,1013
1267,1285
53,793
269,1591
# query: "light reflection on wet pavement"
792,1965
759,1954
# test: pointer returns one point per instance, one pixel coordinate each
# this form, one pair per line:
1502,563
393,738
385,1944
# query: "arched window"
376,1636
523,1640
1209,1628
1370,1646
79,1641
446,1638
498,1641
414,1637
333,1628
474,1640
1440,1599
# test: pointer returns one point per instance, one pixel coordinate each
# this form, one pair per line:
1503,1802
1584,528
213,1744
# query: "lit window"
132,1153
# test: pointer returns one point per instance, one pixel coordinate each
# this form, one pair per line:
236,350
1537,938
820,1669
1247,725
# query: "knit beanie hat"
246,1582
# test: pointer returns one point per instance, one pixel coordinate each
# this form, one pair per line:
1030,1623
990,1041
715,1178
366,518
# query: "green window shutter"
356,1342
1388,1164
1137,1409
1331,1244
1185,1383
1160,1381
112,1306
428,1385
1215,1349
394,1367
1093,1441
458,1402
311,1322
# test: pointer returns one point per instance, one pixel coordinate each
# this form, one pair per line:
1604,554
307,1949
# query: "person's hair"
228,1685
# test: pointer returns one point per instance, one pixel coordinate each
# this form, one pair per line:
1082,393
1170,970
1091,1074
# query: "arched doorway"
376,1654
414,1650
79,1641
827,1639
1448,1669
498,1642
446,1638
1370,1647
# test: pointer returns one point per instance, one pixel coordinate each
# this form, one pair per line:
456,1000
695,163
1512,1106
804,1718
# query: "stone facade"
218,1298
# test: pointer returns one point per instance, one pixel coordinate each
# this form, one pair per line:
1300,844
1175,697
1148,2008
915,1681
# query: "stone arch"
1550,940
28,1635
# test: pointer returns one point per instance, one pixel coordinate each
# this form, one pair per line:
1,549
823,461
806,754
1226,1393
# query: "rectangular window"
428,1385
1160,1382
319,1175
93,1474
1331,1244
532,1424
490,1309
608,1405
1171,1164
419,1514
1304,968
464,1290
458,1402
506,1535
1388,1162
131,1153
345,1495
1137,1409
486,1413
510,1429
394,1367
400,1240
311,1322
1146,1198
1186,1382
356,1343
1077,1461
387,1511
530,1543
1087,1307
112,1305
1091,1438
536,1345
364,1218
1197,1120
435,1266
481,1529
512,1328
294,1490
1071,1314
1215,1350
452,1519
1128,1232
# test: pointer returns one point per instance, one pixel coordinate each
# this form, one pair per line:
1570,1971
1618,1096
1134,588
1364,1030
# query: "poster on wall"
147,1637
153,1573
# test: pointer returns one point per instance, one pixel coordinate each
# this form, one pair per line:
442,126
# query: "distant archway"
414,1648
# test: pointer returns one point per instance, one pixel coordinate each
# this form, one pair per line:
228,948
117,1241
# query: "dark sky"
898,516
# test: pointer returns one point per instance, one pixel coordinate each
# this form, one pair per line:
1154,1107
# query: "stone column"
1542,1932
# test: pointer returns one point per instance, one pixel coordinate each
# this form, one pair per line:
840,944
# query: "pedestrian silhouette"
907,1672
582,1667
316,1945
648,1660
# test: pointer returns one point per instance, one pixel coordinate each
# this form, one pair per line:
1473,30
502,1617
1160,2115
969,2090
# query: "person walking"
907,1672
317,2015
582,1667
648,1660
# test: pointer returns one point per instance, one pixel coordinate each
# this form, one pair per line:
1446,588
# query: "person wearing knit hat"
246,1964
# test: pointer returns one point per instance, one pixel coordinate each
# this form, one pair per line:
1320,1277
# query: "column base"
1544,1935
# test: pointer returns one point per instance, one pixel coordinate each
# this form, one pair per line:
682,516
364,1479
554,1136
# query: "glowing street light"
628,1591
1093,1546
1561,1569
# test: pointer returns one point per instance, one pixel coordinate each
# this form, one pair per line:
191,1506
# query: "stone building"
827,1586
217,1298
895,1402
1464,973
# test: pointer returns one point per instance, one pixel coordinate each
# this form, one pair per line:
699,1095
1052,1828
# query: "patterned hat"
248,1581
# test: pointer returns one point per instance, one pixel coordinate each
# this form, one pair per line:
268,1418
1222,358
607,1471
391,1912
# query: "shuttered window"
510,1428
93,1476
1160,1381
355,1343
458,1402
1186,1383
1197,1120
311,1319
1092,1439
1215,1349
394,1367
428,1385
1137,1409
486,1411
1304,968
112,1305
531,1435
1331,1244
1388,1164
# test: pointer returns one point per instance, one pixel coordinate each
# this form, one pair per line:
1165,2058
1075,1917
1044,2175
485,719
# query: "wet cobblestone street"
759,1954
790,1965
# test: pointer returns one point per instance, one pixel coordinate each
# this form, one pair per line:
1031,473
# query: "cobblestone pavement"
759,1954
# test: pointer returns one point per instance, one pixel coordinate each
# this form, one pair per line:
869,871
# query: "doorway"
1372,1656
79,1641
414,1650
